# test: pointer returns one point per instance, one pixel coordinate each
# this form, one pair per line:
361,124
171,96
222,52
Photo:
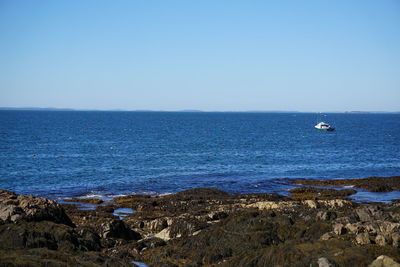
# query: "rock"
217,215
374,184
384,261
381,240
206,193
326,215
89,239
15,208
339,229
185,227
165,234
353,227
151,242
47,235
85,200
347,219
323,262
396,240
327,236
364,214
363,239
158,224
180,228
387,226
371,227
270,205
10,213
312,193
335,203
118,229
311,203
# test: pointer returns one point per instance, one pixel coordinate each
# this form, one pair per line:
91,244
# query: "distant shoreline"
192,111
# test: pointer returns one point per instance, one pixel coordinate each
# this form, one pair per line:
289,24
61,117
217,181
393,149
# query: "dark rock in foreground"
15,208
37,232
202,227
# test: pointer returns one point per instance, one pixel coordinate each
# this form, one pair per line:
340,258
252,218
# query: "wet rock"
384,261
204,193
363,239
85,200
118,229
373,184
303,193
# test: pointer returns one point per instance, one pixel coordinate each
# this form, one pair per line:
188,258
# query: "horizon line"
188,110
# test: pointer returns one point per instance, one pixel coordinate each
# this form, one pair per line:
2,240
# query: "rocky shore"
203,227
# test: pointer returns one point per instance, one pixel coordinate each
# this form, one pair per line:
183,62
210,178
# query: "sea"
59,154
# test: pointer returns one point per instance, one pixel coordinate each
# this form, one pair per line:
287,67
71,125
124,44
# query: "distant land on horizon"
190,110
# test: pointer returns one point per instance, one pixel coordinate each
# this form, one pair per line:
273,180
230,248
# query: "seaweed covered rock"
37,232
118,229
319,193
373,184
45,235
208,227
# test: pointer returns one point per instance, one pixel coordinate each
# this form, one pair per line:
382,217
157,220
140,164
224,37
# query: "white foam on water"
165,194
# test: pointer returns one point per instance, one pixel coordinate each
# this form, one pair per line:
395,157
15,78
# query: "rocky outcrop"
373,184
200,227
301,193
370,225
15,208
118,229
37,232
384,261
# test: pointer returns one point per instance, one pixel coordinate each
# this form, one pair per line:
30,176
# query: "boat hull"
326,130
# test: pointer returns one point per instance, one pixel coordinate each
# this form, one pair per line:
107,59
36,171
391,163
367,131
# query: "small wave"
105,197
93,196
144,192
165,194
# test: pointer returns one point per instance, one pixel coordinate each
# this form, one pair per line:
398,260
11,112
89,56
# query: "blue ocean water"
74,153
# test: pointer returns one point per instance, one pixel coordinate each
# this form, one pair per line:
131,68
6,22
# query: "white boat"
324,127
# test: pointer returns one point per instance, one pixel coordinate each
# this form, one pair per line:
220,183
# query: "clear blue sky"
207,55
